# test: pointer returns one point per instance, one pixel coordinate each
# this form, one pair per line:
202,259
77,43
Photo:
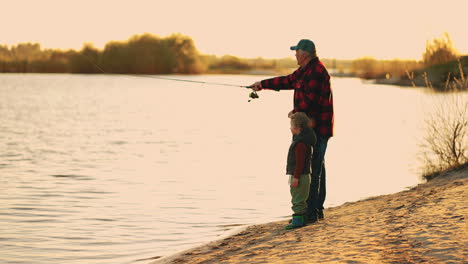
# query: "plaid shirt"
312,94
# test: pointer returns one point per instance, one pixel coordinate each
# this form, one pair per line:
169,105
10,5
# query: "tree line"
141,54
150,54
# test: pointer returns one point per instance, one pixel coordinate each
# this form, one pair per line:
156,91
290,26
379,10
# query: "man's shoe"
311,218
320,214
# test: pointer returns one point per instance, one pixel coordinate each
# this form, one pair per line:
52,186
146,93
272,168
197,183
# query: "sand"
425,224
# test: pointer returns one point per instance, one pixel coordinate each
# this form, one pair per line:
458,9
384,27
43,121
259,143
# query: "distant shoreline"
422,225
249,72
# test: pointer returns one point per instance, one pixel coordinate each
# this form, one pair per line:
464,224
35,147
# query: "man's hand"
257,86
295,182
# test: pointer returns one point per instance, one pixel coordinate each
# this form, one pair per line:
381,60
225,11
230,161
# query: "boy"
298,166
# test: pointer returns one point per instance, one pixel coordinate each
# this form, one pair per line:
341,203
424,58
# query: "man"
313,96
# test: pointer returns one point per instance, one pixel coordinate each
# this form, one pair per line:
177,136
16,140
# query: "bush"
445,146
439,51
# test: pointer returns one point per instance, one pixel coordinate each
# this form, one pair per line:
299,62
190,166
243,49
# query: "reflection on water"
113,169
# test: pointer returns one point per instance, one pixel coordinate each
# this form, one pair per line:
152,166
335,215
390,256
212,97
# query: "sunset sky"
245,28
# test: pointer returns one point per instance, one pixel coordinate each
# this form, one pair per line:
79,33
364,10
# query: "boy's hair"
300,120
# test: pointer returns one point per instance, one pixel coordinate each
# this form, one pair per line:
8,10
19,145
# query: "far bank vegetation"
140,54
143,54
441,67
177,54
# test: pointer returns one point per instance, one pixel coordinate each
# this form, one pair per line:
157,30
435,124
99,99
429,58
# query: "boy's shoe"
297,221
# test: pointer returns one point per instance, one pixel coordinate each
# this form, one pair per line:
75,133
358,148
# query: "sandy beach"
425,224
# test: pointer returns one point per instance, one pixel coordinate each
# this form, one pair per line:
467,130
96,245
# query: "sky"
246,28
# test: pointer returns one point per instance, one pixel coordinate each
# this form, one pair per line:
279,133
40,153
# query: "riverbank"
440,76
425,224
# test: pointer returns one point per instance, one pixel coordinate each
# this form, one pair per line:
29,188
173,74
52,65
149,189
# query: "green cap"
305,45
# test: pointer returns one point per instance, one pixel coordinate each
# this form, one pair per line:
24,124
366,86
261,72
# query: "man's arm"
276,83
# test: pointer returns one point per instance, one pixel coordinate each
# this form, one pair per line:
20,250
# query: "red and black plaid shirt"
312,94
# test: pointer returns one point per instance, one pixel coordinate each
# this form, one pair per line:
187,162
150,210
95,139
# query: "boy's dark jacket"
308,137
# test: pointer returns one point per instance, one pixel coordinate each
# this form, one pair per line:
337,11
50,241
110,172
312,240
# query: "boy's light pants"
300,194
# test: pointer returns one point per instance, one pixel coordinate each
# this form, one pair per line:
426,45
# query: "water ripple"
71,176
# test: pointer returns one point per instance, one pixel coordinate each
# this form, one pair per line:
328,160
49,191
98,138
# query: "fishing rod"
164,78
252,95
183,80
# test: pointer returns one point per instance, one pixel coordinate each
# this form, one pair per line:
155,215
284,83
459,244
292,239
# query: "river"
114,169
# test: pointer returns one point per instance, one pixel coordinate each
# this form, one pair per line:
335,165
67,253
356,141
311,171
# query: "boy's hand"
295,183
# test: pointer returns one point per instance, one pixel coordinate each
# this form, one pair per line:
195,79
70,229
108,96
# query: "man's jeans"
317,185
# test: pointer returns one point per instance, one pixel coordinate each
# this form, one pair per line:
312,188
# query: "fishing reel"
253,95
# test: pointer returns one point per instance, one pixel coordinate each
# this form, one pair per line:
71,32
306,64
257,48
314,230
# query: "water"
114,169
